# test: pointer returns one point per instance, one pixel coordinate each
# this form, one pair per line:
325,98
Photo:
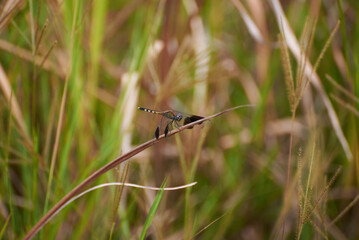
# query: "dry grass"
72,75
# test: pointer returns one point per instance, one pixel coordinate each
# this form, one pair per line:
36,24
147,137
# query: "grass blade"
153,211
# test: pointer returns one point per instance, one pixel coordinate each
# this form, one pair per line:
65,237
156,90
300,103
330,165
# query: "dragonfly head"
179,117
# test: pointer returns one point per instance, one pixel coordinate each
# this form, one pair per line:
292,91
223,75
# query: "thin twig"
347,208
214,221
323,194
341,89
345,104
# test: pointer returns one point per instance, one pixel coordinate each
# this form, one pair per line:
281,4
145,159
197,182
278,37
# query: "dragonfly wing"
169,114
157,132
191,119
167,130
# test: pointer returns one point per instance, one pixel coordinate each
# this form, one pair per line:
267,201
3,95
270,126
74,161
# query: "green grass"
152,212
72,75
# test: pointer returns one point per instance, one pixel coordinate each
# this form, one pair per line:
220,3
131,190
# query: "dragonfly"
172,119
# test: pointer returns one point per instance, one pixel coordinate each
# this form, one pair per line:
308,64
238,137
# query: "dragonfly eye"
179,117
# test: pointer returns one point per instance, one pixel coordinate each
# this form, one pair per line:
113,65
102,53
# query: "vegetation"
72,74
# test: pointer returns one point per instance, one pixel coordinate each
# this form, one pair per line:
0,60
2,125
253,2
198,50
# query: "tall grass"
72,74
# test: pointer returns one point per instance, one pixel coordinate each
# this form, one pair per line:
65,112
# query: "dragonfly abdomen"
147,110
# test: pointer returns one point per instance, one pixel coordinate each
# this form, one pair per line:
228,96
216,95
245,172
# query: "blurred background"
72,74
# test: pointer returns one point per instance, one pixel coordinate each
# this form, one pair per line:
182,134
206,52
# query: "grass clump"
72,75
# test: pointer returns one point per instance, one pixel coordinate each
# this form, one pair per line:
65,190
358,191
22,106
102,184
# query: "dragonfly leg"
176,124
158,129
167,129
161,122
